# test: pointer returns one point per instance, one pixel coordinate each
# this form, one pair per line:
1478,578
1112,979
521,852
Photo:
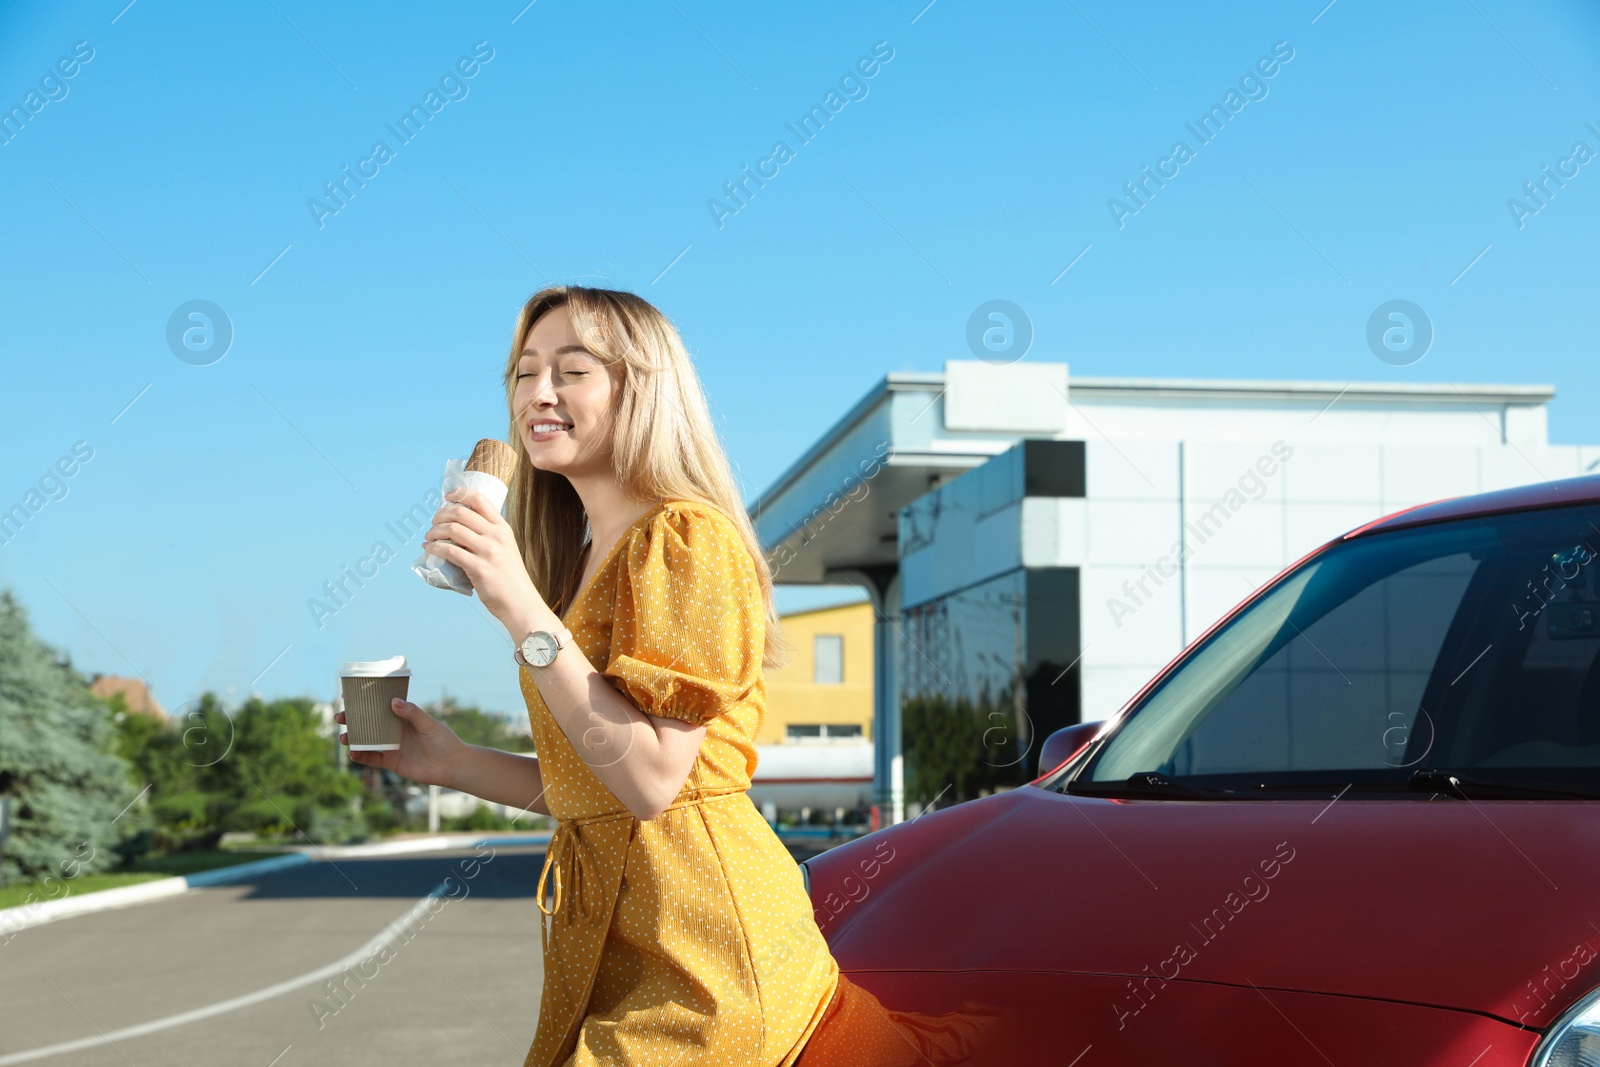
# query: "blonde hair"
664,445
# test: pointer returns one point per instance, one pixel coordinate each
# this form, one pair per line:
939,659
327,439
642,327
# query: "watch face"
540,648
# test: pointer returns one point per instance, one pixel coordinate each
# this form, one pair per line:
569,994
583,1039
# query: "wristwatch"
539,648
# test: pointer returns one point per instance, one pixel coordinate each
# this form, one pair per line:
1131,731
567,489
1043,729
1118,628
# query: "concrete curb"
45,911
223,875
424,844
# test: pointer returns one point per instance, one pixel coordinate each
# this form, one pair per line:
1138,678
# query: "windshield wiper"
1145,783
1449,783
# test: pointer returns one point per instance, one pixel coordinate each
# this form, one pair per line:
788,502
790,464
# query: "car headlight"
1574,1040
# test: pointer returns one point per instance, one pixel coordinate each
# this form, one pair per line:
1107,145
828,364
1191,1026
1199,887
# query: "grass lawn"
200,859
12,895
147,869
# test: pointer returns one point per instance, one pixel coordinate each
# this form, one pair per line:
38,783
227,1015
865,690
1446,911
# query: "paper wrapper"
441,573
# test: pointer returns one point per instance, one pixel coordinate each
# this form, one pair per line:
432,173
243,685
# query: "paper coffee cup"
368,686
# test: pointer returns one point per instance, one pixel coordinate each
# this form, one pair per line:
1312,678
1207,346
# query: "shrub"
379,815
180,811
481,817
129,849
960,747
185,840
264,816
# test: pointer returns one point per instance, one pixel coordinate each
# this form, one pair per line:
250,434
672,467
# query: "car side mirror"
1066,743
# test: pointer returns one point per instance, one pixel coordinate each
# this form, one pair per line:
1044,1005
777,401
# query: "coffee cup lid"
394,666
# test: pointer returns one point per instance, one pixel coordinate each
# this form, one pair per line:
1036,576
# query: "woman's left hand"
470,533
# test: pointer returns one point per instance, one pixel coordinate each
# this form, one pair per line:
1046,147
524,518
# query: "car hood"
1482,906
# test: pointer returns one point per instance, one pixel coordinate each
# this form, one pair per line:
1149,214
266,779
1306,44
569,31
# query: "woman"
676,927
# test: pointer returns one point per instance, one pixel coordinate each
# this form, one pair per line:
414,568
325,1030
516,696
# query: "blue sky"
976,163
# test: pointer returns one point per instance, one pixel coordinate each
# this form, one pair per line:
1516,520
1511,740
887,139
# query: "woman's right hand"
429,750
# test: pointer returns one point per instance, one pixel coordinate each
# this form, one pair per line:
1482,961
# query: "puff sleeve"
688,622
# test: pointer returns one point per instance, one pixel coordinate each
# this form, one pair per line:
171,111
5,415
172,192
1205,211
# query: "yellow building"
825,693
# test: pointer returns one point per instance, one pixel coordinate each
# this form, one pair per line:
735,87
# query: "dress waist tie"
583,867
566,858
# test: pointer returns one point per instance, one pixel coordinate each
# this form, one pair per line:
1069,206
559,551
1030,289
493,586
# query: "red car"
1356,822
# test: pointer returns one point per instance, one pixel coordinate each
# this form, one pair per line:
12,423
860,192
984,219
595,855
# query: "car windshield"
1460,658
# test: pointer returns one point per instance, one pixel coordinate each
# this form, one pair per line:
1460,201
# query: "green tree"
57,758
280,771
154,748
478,727
270,767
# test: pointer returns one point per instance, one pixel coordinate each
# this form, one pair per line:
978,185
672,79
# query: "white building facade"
1048,545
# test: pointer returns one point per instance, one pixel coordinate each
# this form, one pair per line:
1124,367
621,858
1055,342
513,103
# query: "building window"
831,732
829,657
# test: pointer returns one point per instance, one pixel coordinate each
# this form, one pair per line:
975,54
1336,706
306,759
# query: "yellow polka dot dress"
686,940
